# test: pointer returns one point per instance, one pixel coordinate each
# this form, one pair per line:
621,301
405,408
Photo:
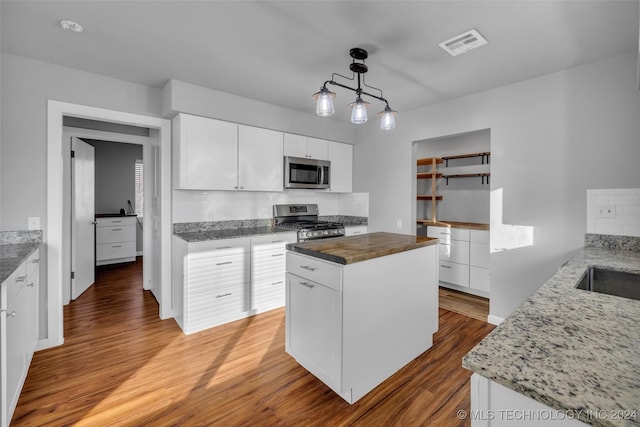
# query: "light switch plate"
33,223
606,211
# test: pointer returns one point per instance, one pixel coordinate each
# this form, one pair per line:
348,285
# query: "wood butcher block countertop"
352,249
455,224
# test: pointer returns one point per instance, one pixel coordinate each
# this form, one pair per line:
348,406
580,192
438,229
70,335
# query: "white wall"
26,86
552,137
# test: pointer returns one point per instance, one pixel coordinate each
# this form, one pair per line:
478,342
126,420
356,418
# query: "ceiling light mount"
71,26
324,98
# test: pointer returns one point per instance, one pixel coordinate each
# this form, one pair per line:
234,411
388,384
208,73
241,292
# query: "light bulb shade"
358,111
324,102
387,118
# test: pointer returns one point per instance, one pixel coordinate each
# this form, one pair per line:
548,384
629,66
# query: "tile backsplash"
196,206
614,212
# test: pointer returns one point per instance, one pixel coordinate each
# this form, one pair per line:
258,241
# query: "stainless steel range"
304,219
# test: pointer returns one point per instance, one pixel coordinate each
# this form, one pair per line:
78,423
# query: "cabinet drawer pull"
224,247
116,229
307,284
20,279
224,295
277,241
277,255
224,263
306,267
116,221
30,285
277,283
445,233
116,246
356,232
35,261
445,266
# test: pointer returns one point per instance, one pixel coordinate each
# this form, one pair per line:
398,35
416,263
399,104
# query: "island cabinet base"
355,325
494,405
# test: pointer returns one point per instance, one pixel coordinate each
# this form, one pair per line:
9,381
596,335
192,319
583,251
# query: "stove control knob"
325,232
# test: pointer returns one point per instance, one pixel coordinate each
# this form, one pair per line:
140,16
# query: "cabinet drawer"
353,231
446,234
33,263
314,269
117,233
215,307
479,278
268,295
457,274
267,265
115,250
209,273
479,236
272,241
455,251
222,247
15,283
479,255
115,222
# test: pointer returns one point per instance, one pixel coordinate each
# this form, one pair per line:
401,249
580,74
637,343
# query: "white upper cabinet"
305,147
260,159
205,153
341,158
217,155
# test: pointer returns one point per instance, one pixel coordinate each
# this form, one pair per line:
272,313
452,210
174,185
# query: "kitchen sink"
611,282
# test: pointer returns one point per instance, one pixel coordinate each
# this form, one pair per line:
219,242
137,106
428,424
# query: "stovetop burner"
304,218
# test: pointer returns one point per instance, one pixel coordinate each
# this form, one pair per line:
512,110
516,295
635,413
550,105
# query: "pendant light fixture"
324,98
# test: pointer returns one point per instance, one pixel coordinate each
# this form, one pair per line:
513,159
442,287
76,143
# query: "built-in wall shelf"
467,175
485,157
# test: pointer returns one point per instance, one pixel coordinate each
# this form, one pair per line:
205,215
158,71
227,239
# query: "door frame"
54,242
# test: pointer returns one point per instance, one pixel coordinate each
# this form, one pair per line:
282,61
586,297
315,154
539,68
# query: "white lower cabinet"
268,267
355,230
464,258
219,281
354,325
115,240
494,405
19,332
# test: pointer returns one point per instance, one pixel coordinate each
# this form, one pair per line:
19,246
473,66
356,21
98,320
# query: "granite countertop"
457,224
12,255
230,233
570,349
348,250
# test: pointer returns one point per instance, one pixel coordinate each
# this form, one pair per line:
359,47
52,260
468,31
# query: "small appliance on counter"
304,219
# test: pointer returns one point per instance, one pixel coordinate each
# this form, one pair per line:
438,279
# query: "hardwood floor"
121,365
462,303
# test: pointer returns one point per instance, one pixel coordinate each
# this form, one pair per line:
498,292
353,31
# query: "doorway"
157,222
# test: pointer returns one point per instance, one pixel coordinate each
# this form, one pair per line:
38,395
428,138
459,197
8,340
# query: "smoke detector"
463,43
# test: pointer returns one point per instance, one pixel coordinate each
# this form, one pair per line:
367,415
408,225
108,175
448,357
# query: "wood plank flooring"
462,303
121,365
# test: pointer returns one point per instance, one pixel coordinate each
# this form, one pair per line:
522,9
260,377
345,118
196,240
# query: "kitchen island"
565,356
360,308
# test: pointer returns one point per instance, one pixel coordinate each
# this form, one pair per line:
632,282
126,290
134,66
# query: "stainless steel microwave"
306,173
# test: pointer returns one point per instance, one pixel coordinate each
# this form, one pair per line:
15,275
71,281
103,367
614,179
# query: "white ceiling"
280,52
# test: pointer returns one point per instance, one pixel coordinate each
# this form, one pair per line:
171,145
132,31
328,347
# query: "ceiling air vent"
463,42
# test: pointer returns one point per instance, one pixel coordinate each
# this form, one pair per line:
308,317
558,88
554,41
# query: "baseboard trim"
494,320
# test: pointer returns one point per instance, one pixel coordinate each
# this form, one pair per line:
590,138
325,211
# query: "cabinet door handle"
116,229
35,261
12,314
224,263
224,247
20,279
445,266
116,246
307,284
30,285
306,267
224,295
277,255
277,283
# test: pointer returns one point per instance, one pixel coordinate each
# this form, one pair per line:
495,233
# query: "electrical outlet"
33,223
398,223
606,211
